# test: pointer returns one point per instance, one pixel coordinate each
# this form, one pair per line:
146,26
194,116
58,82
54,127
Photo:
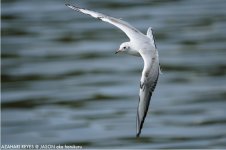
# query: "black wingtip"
67,4
72,7
138,135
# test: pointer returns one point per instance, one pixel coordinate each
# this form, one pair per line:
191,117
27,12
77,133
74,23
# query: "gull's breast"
134,53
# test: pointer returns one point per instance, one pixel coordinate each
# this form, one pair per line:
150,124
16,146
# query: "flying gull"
139,45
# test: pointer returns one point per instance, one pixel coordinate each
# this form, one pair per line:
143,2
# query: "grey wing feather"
146,90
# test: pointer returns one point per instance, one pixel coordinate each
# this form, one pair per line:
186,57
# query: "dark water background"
61,82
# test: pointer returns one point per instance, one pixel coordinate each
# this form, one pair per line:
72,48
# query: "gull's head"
124,47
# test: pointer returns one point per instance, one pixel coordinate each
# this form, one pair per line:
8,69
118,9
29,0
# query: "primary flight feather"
139,45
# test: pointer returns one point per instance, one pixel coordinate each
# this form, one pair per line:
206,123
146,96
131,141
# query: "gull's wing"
148,82
129,30
151,37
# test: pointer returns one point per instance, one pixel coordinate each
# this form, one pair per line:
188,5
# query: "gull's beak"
117,51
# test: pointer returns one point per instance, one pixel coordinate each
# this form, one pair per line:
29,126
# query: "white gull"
139,45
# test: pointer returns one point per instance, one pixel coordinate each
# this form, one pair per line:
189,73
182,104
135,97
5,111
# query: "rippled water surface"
62,83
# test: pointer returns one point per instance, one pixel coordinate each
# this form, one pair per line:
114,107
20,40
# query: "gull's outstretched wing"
148,82
129,30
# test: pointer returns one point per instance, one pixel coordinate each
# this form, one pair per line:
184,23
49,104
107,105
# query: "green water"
61,82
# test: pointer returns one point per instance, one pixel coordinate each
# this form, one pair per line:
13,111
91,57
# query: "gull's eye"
124,47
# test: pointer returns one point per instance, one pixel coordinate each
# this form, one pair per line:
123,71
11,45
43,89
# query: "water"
63,84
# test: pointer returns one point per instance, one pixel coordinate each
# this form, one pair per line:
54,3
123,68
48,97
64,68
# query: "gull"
139,45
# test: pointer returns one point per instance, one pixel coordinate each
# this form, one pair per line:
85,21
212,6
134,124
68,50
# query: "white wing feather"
129,30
